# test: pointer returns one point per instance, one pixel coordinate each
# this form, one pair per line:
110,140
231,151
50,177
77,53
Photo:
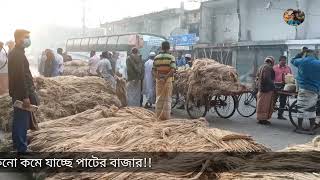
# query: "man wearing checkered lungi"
308,79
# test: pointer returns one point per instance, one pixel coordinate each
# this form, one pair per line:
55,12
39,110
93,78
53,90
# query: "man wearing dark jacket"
21,88
135,70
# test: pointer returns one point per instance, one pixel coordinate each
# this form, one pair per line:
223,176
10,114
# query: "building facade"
165,23
242,33
224,21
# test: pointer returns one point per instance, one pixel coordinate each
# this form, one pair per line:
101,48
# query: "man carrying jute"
164,67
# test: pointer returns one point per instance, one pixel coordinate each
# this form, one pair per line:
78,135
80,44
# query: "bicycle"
3,65
293,111
224,105
247,104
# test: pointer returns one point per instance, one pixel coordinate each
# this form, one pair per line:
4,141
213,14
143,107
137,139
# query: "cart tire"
197,109
223,103
247,104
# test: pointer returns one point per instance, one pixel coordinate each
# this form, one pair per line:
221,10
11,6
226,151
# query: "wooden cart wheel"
197,107
225,106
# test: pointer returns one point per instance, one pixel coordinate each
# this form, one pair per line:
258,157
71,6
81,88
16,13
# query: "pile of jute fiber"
78,68
208,77
64,96
121,90
299,162
181,83
137,130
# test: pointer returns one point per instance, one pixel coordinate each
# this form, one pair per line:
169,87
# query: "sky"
33,14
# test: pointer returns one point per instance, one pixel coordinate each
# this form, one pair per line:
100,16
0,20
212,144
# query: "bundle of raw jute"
121,90
5,110
78,68
64,96
295,162
208,77
181,83
137,130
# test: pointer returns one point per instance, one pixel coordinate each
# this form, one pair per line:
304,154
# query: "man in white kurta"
149,86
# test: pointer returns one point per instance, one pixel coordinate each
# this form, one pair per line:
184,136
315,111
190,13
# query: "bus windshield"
79,48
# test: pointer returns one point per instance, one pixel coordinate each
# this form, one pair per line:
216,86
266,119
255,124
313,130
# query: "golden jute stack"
78,68
278,165
208,77
137,130
64,96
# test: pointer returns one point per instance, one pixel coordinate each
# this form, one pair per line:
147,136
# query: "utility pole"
83,17
296,28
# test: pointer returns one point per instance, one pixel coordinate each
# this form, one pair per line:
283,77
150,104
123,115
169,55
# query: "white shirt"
60,61
104,67
93,63
3,60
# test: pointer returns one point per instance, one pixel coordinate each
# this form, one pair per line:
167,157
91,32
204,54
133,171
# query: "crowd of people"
51,63
271,78
142,76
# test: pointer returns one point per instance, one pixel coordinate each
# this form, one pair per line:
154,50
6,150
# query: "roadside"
277,136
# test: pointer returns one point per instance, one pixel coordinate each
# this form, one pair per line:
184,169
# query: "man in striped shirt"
164,67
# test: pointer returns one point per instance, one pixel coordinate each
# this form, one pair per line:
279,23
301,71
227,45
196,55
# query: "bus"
79,48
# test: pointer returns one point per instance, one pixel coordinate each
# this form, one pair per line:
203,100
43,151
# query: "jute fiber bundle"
305,156
181,83
208,77
5,111
121,90
76,68
64,96
137,130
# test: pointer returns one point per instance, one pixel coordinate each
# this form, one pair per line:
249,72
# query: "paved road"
277,136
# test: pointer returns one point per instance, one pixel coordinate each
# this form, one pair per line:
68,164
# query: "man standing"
149,89
3,70
114,58
265,84
188,58
48,63
281,70
164,67
60,61
10,45
135,71
93,63
308,79
21,88
57,65
181,62
104,70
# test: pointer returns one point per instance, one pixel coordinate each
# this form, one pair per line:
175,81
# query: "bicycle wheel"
247,105
4,63
225,106
175,100
293,112
196,107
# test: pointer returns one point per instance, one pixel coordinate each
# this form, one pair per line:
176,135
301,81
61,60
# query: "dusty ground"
277,136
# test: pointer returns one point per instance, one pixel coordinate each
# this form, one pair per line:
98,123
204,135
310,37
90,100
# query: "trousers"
20,126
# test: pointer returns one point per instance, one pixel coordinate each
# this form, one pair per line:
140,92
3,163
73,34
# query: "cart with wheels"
224,105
